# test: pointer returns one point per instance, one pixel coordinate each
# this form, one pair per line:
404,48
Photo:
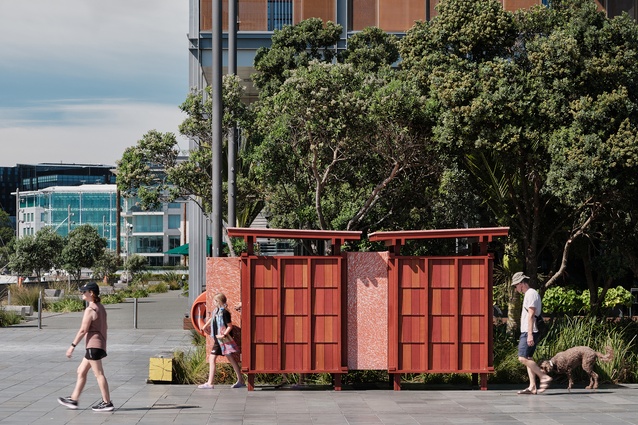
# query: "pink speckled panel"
367,310
223,274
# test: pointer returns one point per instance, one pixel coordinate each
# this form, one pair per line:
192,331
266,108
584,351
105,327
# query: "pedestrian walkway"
34,372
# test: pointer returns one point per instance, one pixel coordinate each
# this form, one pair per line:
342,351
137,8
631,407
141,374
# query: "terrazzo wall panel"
367,302
223,274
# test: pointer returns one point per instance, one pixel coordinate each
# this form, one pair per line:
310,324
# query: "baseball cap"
91,286
518,278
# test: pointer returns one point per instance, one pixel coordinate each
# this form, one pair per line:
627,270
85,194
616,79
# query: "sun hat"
518,278
91,286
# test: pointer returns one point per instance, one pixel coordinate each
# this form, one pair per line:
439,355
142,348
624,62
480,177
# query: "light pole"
129,229
216,120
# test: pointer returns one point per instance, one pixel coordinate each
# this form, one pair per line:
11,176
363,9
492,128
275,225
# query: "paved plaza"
34,372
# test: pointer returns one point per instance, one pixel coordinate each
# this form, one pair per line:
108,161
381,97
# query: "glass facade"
149,244
8,185
174,242
41,176
65,208
147,233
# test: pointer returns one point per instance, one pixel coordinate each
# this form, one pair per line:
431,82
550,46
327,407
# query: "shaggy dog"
566,361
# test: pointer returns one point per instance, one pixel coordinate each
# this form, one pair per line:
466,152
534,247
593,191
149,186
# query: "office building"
257,19
33,177
148,233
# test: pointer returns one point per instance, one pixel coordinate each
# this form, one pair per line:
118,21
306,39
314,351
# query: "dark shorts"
216,350
94,354
525,350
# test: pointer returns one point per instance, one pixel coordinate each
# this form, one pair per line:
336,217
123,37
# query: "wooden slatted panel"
326,306
474,305
443,315
265,318
444,320
295,283
296,314
412,305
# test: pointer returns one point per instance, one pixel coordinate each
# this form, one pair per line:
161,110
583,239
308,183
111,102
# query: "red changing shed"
440,309
363,310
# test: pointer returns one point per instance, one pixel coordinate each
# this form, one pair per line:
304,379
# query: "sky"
82,80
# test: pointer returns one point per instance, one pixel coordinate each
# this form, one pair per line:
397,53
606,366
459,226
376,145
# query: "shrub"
197,338
366,377
190,367
25,295
173,280
507,368
613,297
62,285
597,334
8,318
112,298
617,296
142,278
560,300
570,332
134,292
66,304
160,288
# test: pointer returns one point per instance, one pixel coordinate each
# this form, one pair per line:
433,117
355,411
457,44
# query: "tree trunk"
513,313
579,231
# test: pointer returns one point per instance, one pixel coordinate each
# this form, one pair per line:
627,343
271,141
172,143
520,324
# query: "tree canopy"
540,106
84,247
478,117
155,171
36,254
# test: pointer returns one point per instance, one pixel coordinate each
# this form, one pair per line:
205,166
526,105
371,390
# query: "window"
149,223
279,14
150,244
173,242
174,221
